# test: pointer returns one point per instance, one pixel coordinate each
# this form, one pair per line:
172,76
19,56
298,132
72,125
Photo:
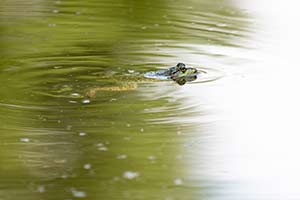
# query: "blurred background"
229,139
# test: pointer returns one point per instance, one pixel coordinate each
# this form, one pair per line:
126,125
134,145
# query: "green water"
146,143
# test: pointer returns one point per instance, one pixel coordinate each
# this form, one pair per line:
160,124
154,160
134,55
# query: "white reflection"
254,153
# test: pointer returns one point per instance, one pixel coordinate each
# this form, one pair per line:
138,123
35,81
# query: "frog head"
180,67
182,71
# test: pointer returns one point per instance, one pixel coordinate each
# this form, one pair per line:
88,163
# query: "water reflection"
123,144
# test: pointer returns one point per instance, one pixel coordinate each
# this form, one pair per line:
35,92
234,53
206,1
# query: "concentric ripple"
56,143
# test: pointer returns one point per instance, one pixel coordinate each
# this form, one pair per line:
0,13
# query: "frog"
180,74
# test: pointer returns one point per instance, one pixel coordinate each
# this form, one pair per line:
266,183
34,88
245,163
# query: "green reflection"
123,144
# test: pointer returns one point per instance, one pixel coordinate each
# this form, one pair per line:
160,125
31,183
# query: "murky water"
140,139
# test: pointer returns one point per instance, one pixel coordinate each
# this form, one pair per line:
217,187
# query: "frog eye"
183,69
180,65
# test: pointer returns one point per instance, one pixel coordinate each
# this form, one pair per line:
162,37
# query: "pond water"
140,139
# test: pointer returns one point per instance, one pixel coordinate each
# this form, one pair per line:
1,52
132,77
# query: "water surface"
156,141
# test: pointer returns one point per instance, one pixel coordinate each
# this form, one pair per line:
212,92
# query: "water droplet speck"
151,158
178,181
87,166
82,134
103,148
86,101
130,175
24,139
41,189
77,193
122,156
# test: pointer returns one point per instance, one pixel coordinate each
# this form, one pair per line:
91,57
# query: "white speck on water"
130,175
100,145
57,67
87,166
41,189
144,27
113,99
221,25
64,176
51,25
75,94
77,12
77,193
72,101
82,134
86,101
103,148
178,132
178,181
128,125
121,156
130,71
151,158
24,139
55,11
142,130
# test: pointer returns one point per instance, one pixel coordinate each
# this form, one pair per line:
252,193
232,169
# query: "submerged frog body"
179,73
